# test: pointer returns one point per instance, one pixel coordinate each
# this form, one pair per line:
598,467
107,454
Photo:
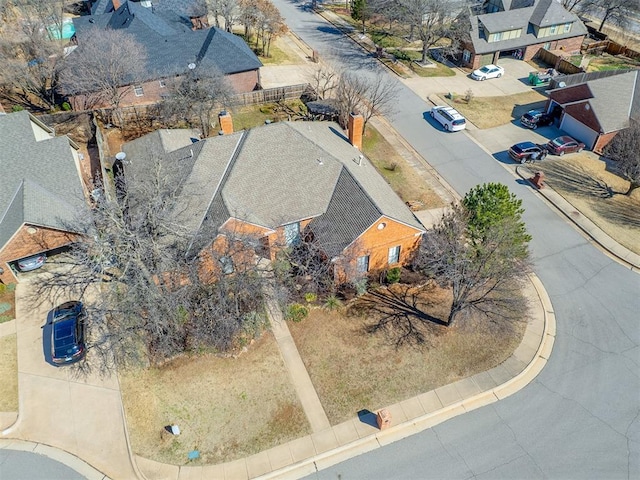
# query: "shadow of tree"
623,211
400,312
574,179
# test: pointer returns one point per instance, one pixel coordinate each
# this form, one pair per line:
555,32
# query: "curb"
61,456
424,422
633,266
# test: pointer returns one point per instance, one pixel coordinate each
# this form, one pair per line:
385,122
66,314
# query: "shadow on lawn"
400,311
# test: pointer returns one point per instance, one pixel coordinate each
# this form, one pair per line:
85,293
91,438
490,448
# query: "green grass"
276,57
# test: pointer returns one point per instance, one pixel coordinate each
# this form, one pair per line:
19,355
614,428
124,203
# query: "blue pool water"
68,30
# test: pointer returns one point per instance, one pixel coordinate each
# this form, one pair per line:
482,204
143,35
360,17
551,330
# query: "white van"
449,117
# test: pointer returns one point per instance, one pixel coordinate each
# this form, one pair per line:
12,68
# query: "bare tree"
617,12
323,80
98,71
30,67
484,269
269,25
41,16
430,20
228,10
198,93
624,149
156,298
571,5
367,95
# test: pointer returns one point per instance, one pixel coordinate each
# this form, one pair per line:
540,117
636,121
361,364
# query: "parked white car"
488,71
449,118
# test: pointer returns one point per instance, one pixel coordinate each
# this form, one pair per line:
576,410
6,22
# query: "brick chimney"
355,126
226,124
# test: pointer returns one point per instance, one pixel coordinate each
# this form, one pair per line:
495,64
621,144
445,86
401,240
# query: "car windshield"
460,121
485,69
558,142
532,115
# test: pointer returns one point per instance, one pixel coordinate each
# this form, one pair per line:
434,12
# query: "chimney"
355,126
116,4
226,124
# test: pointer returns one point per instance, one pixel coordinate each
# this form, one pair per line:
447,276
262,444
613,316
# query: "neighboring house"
173,37
278,183
520,28
40,190
594,111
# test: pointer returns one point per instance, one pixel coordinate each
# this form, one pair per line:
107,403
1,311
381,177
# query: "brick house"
40,190
520,28
174,37
591,113
278,183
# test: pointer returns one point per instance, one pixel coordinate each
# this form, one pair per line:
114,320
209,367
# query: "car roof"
451,111
66,310
525,145
564,139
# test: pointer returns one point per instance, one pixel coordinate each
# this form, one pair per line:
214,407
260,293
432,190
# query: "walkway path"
297,371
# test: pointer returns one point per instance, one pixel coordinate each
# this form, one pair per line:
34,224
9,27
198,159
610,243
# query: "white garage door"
579,131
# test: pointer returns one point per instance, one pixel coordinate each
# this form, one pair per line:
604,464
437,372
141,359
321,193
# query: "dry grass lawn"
226,408
354,370
7,302
593,190
397,172
489,112
9,374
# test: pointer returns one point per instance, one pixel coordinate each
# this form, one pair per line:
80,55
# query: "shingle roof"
39,183
170,43
612,111
543,13
279,174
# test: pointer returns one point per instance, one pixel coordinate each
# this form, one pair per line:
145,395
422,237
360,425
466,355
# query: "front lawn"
9,373
7,302
489,112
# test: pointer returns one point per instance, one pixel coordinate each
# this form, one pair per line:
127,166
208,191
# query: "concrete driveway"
82,415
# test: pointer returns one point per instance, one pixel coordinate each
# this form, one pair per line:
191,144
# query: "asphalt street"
579,418
22,465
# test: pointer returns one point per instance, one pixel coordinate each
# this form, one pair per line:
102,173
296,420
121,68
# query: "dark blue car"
67,333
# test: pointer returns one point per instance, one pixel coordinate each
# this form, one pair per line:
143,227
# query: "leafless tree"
41,16
156,298
624,149
249,14
228,10
484,274
571,5
30,68
269,25
367,95
99,72
197,94
617,12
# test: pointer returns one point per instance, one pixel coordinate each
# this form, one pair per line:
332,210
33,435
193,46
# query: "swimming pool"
68,30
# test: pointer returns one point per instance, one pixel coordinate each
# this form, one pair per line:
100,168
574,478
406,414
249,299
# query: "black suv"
527,152
67,332
535,118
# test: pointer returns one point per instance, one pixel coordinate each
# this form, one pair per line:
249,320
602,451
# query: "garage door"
579,131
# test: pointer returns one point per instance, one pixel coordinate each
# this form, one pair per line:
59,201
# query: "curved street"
579,418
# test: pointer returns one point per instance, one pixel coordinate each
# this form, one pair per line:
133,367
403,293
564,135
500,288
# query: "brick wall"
152,91
603,140
30,240
568,45
376,243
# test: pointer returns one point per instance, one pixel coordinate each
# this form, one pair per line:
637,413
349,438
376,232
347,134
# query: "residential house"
175,39
520,28
40,190
279,183
596,109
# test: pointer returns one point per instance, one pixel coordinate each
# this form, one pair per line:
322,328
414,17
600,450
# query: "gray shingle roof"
279,174
169,41
613,111
544,13
39,183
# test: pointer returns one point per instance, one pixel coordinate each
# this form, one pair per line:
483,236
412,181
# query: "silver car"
31,263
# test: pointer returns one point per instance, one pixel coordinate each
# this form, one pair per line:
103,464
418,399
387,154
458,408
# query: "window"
466,56
226,265
495,37
292,233
394,255
162,83
553,29
138,90
566,28
363,264
547,46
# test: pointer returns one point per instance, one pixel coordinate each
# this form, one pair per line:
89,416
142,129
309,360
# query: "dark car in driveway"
536,118
67,332
527,152
564,144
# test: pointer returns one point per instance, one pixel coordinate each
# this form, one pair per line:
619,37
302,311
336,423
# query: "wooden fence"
610,47
270,95
558,62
